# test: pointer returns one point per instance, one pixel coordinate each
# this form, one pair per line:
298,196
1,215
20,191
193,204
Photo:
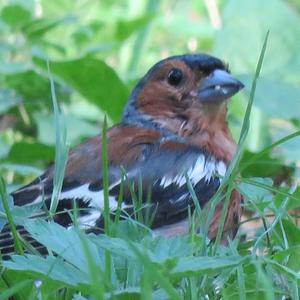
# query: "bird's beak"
218,86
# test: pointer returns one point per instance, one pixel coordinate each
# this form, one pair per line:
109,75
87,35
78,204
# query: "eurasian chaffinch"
174,125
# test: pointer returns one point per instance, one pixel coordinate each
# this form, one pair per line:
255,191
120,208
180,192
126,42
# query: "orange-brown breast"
207,128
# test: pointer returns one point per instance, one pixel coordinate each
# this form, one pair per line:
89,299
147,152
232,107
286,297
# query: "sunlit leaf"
30,85
24,152
93,79
126,27
15,15
276,97
49,266
38,27
243,34
191,266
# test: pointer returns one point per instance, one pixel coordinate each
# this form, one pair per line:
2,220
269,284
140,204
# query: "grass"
129,263
61,149
233,169
4,198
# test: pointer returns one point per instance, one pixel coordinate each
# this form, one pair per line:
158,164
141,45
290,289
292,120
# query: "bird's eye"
175,76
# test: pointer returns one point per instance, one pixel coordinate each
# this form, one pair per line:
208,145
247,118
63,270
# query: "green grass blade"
264,281
240,275
105,177
258,155
108,265
61,148
155,273
12,291
233,167
151,8
222,220
279,214
246,122
146,286
120,200
3,195
271,188
286,270
96,275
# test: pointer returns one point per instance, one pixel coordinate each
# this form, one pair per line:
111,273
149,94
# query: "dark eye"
175,76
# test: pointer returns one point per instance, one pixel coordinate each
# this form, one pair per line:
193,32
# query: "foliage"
97,50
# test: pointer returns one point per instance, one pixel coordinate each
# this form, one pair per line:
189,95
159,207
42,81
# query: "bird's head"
186,94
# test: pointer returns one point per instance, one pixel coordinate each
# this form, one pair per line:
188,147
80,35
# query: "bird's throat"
204,128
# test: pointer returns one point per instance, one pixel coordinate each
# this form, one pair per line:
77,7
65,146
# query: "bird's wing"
154,169
151,165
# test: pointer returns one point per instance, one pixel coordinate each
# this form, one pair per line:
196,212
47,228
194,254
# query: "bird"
173,130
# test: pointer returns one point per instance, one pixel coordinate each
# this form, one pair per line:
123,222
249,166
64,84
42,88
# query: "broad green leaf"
70,248
164,249
94,80
260,196
291,230
119,246
294,203
289,149
292,254
25,152
126,27
285,270
50,267
254,287
84,34
38,27
76,129
275,97
265,166
125,294
16,278
191,266
15,15
239,40
157,249
30,85
25,211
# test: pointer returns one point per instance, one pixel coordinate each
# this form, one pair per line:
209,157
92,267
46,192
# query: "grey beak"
218,86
